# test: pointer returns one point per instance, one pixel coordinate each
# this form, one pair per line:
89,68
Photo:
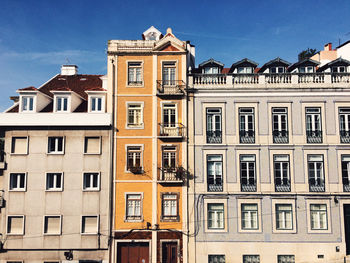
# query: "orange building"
147,94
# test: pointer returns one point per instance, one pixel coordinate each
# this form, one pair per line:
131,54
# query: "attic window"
61,104
308,69
211,70
244,70
277,70
339,69
27,103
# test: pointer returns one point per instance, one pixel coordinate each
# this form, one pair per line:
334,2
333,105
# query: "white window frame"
100,145
91,188
13,138
56,138
55,188
277,69
243,112
18,189
306,69
284,215
96,97
170,152
208,201
212,116
280,159
245,201
133,125
315,162
82,225
133,218
245,70
280,112
44,224
319,217
344,112
284,201
339,69
133,83
166,106
167,64
216,163
314,201
170,217
127,146
247,162
25,98
62,98
23,225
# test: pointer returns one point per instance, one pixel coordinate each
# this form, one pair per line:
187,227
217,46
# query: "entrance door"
169,252
347,227
133,252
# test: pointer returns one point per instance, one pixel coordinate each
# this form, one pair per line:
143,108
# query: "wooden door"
169,252
133,253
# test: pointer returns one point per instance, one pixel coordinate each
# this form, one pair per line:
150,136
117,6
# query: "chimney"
69,70
328,47
14,99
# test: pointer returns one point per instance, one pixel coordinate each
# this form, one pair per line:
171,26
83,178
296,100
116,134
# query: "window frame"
134,83
133,218
322,170
217,216
281,169
13,144
59,233
96,97
344,111
246,129
213,115
175,66
170,218
23,225
56,152
216,255
222,201
25,98
82,225
244,261
215,163
141,149
308,204
280,122
62,98
92,189
285,220
100,145
292,203
245,201
54,189
313,122
18,189
247,162
131,125
279,260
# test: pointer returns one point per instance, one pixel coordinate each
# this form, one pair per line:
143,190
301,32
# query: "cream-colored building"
56,172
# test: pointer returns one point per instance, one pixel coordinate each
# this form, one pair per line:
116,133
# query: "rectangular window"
169,115
133,207
15,225
169,157
246,125
17,182
248,173
27,103
134,73
54,181
318,215
170,207
313,125
308,69
135,115
134,159
344,125
96,104
345,171
284,217
169,73
285,259
52,225
91,181
55,145
216,259
280,125
275,70
245,70
19,145
281,173
251,259
214,128
61,104
216,216
89,224
316,173
249,216
339,69
214,173
92,145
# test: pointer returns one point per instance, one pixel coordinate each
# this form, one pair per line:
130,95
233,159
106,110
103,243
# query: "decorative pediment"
169,43
152,34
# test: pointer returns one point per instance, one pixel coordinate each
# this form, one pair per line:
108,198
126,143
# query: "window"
284,217
55,145
17,182
210,70
135,115
169,157
170,207
245,70
92,145
339,69
96,104
275,70
15,225
344,123
61,104
91,181
19,145
285,259
251,259
246,125
216,216
307,69
52,225
247,170
313,125
216,259
214,130
345,172
54,181
214,167
133,207
134,159
134,73
169,115
280,125
281,173
169,73
316,173
27,103
249,216
89,224
318,214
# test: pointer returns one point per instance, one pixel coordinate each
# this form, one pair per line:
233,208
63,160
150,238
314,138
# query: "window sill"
99,153
135,85
284,231
139,127
15,234
91,190
249,231
170,219
55,153
52,234
319,231
89,234
133,220
54,190
18,154
216,230
17,190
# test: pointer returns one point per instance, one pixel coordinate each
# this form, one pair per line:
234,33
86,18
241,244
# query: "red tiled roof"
61,89
31,88
225,70
96,89
256,70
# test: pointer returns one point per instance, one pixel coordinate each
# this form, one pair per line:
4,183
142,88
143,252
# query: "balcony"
170,87
214,136
282,185
280,136
346,185
345,136
340,77
209,79
278,78
248,185
314,136
174,175
316,185
135,170
246,136
171,130
215,187
246,79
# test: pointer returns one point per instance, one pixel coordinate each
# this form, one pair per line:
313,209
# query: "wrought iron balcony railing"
316,185
280,136
247,136
215,187
214,136
345,136
171,87
314,136
248,185
171,175
171,130
282,185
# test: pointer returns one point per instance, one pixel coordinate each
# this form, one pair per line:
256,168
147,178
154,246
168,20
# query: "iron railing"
314,136
316,185
247,136
345,136
171,175
280,136
171,87
214,136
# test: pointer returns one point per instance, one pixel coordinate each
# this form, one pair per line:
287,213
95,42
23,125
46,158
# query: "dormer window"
211,70
245,70
27,103
96,104
277,70
308,69
339,69
61,103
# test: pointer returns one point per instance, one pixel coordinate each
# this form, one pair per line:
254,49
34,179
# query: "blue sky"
37,37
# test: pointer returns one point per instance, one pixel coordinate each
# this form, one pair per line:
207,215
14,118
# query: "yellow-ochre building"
147,87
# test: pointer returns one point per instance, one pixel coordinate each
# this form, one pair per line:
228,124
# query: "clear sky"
38,36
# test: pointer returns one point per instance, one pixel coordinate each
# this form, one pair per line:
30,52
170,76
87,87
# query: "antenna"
67,61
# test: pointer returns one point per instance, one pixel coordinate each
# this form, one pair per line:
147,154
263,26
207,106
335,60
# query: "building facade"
147,87
56,172
269,150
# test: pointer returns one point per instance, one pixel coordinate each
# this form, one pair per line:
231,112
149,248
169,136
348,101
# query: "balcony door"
169,115
169,73
214,125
